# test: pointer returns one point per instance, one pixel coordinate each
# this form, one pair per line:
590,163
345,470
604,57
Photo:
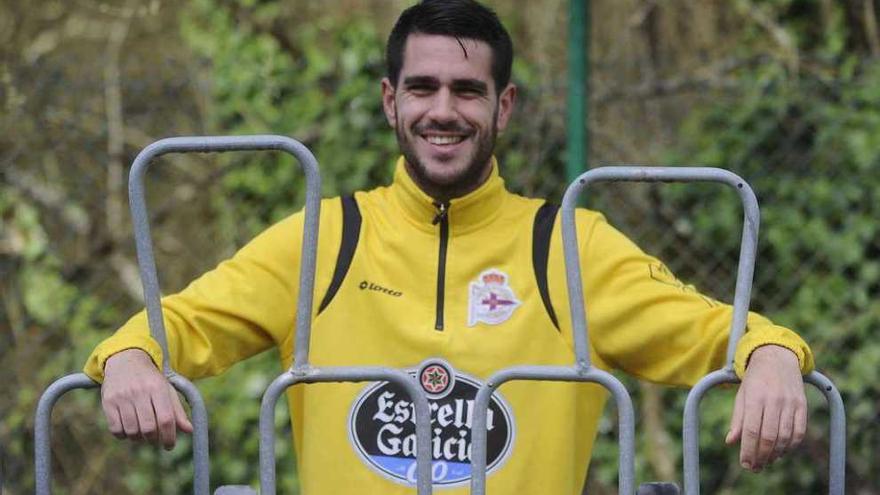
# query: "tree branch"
870,17
779,34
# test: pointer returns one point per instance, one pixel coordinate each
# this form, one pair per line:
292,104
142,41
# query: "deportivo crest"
491,299
382,426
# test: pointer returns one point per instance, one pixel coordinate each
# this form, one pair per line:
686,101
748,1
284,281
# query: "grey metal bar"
201,456
748,247
344,374
207,144
150,279
43,429
576,299
691,437
837,448
43,426
691,427
745,273
625,415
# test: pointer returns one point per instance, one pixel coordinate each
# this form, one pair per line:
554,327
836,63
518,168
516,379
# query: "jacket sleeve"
646,322
242,307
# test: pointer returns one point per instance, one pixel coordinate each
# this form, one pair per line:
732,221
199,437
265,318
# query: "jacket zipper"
441,218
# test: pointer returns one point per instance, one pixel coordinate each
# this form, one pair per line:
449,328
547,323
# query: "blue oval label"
382,426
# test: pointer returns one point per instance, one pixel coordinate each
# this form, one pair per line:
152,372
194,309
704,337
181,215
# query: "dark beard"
468,181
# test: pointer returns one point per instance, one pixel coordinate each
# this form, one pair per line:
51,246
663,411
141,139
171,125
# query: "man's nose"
443,106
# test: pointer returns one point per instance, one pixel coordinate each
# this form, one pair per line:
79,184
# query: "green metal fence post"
578,87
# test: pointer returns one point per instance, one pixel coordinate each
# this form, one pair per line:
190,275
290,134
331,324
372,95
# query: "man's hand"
139,402
770,414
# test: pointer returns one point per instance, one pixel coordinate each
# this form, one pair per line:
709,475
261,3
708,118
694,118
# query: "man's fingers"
146,419
114,422
179,414
736,419
800,425
132,388
129,421
769,433
751,434
786,432
165,420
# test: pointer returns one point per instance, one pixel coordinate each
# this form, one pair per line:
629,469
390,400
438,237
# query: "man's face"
446,112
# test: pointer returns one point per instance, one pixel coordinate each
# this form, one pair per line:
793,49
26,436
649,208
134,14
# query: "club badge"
491,300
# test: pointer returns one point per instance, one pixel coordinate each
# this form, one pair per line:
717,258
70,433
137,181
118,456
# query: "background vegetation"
784,92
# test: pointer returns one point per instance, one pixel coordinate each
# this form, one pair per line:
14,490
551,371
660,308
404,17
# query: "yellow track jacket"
452,297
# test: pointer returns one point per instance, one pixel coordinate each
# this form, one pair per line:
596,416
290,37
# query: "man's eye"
470,92
421,89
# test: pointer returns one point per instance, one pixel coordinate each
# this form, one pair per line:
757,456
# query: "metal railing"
582,370
302,372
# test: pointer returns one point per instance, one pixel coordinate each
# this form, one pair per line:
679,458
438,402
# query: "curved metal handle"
748,247
43,430
691,430
43,426
208,144
289,378
625,417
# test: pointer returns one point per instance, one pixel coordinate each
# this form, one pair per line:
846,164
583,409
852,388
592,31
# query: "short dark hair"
460,19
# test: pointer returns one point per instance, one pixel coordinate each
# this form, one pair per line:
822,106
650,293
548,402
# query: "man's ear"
389,105
506,101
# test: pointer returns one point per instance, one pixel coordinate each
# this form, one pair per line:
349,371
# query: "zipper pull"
442,212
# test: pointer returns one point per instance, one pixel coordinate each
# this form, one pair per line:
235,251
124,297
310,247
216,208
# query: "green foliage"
325,94
809,149
52,310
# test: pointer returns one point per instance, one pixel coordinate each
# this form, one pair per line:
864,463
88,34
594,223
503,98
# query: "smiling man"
446,112
447,274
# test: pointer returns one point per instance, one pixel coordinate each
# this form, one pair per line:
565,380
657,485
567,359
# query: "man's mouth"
444,140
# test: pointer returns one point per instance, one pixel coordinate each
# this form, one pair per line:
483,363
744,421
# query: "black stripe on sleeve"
351,231
544,219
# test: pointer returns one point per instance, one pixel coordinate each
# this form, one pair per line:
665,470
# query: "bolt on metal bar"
344,374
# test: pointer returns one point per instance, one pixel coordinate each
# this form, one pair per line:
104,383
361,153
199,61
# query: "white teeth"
444,139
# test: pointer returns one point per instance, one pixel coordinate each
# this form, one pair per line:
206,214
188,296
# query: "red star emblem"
435,379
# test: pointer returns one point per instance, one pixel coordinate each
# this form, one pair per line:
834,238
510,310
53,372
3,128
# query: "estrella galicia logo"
382,426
